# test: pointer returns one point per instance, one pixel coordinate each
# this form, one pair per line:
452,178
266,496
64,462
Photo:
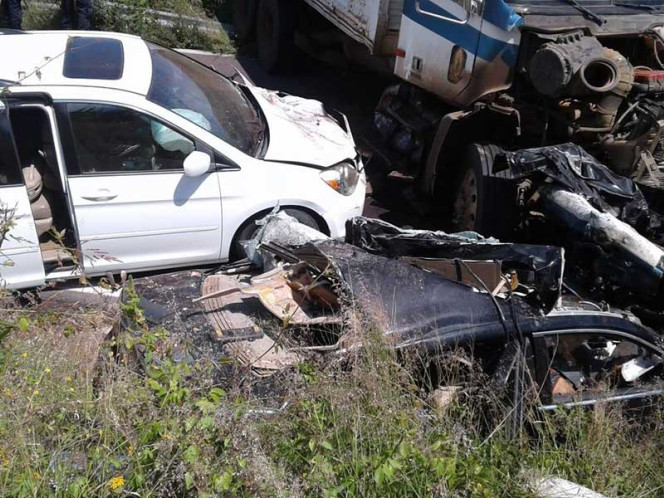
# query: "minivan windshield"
205,98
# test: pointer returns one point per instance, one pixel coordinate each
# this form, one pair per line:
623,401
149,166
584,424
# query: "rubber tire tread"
244,19
277,54
480,159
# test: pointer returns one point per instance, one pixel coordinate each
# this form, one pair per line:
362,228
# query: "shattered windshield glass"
205,98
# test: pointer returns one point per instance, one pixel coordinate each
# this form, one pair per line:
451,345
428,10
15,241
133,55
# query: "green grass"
138,19
142,424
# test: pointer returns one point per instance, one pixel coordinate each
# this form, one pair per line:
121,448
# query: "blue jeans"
76,14
12,16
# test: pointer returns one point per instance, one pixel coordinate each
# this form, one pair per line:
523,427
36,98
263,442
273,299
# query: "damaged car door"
144,194
585,368
20,256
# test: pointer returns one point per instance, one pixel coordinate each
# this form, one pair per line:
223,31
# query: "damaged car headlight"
342,177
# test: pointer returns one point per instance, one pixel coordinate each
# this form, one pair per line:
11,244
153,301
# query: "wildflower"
71,389
35,392
24,355
68,379
5,462
116,482
47,370
130,450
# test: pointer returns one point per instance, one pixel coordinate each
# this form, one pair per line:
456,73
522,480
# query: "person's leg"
83,14
4,14
67,14
15,14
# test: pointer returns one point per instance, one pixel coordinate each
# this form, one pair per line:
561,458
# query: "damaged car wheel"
250,228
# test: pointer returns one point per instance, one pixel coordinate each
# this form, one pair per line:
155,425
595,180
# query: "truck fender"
456,131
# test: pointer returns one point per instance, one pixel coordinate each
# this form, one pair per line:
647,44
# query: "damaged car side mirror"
196,164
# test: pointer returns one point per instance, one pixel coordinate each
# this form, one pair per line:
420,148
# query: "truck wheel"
244,19
275,33
474,199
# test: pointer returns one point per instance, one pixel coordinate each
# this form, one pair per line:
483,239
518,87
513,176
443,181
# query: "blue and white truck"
473,77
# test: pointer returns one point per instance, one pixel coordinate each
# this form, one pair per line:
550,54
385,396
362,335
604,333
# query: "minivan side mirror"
196,164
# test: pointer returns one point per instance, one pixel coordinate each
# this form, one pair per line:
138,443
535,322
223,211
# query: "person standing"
76,14
11,14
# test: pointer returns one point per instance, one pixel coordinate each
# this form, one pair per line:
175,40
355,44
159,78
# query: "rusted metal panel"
365,21
488,272
394,13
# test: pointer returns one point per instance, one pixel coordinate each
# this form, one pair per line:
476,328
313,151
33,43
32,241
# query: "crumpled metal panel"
540,267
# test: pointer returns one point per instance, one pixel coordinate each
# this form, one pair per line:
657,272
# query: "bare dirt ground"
355,93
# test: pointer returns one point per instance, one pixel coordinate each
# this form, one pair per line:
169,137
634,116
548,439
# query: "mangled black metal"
416,308
572,167
538,266
603,247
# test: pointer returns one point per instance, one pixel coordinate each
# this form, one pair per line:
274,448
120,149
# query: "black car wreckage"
572,306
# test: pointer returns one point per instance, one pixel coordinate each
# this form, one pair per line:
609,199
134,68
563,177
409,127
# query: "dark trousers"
76,14
11,14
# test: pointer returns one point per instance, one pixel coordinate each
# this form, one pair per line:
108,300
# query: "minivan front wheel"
250,228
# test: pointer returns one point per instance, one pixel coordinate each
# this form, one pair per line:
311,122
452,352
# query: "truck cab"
509,75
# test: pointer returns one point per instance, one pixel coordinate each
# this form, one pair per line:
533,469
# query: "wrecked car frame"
152,160
573,352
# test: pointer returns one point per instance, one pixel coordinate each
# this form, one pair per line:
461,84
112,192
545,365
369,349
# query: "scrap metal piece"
229,310
490,272
263,355
537,267
278,229
642,261
293,300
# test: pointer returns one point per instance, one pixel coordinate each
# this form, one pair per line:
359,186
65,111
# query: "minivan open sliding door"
20,257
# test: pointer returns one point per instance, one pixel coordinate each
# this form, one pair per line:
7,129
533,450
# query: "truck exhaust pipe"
599,75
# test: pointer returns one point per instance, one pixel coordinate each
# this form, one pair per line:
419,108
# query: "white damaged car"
120,154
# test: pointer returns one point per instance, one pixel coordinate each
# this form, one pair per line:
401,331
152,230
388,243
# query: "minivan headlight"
342,177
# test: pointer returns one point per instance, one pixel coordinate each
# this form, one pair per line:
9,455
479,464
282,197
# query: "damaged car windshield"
205,98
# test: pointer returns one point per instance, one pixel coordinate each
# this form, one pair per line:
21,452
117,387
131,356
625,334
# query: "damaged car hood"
302,131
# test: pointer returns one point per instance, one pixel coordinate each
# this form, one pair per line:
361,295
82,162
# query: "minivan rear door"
20,257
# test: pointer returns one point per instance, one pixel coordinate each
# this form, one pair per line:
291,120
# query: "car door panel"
20,256
135,208
146,221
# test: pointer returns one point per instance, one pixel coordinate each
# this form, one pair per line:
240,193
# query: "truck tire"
275,34
244,19
474,198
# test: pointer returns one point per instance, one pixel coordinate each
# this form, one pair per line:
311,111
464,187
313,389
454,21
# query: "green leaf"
188,480
191,454
312,444
216,394
379,475
23,324
205,406
326,445
206,423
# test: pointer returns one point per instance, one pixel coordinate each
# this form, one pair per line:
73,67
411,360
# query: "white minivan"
120,154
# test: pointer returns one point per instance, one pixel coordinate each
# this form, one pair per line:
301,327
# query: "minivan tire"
249,229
